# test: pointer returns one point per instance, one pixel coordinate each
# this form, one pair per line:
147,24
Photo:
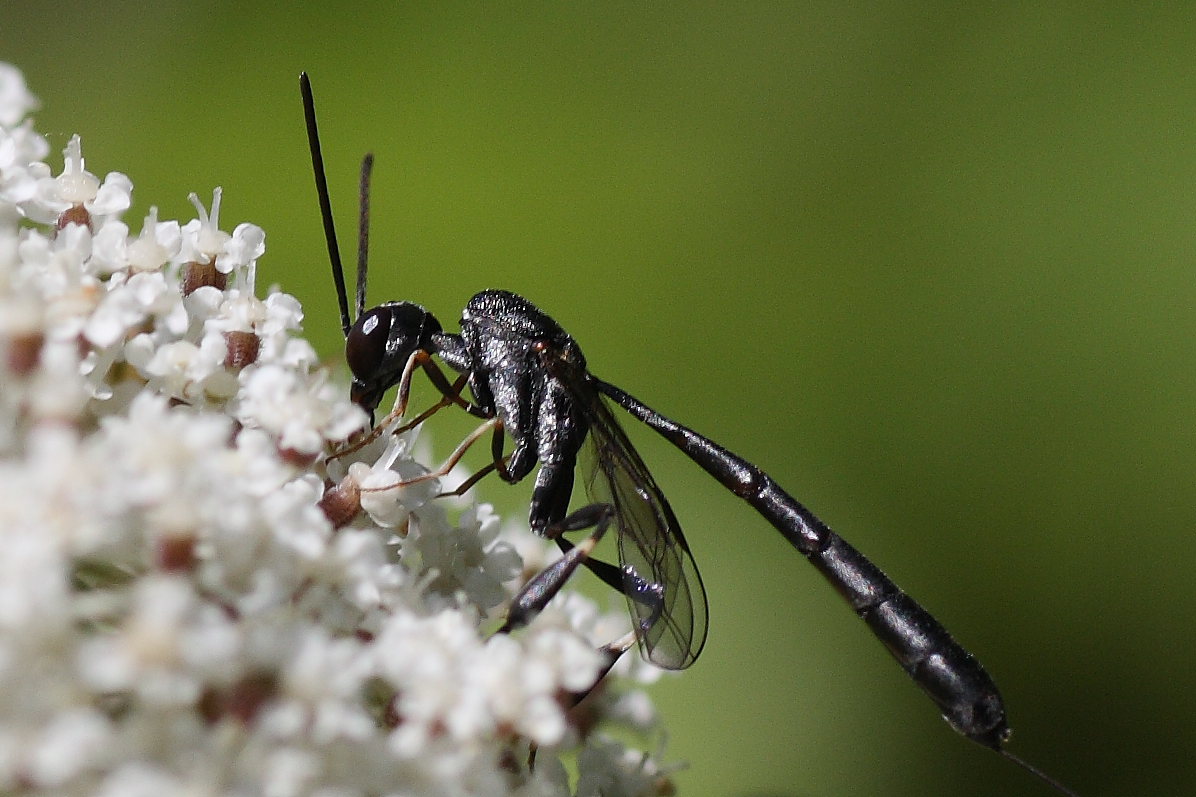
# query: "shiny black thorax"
521,365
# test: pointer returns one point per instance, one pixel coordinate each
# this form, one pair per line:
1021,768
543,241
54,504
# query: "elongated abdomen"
948,674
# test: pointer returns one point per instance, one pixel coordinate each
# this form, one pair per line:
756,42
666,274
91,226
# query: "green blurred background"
932,266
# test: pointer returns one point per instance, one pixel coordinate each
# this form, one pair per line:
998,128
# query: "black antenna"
363,230
334,255
1038,773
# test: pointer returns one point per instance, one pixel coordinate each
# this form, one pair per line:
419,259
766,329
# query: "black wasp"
530,381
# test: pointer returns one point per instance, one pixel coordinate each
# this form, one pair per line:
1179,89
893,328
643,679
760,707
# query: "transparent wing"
660,580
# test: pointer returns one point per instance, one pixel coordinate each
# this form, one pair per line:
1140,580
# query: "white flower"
179,612
19,147
187,371
467,557
203,241
71,743
303,411
132,300
76,187
156,245
395,484
16,102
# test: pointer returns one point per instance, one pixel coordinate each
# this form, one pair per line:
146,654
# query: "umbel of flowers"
178,615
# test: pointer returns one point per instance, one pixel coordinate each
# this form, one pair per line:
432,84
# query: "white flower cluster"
185,608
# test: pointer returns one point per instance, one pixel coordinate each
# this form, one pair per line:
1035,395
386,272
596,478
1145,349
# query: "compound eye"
365,347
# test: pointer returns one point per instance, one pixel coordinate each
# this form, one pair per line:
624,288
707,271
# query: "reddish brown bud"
210,705
242,701
243,349
509,762
75,214
198,275
664,786
342,502
176,553
391,716
247,696
300,459
24,352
